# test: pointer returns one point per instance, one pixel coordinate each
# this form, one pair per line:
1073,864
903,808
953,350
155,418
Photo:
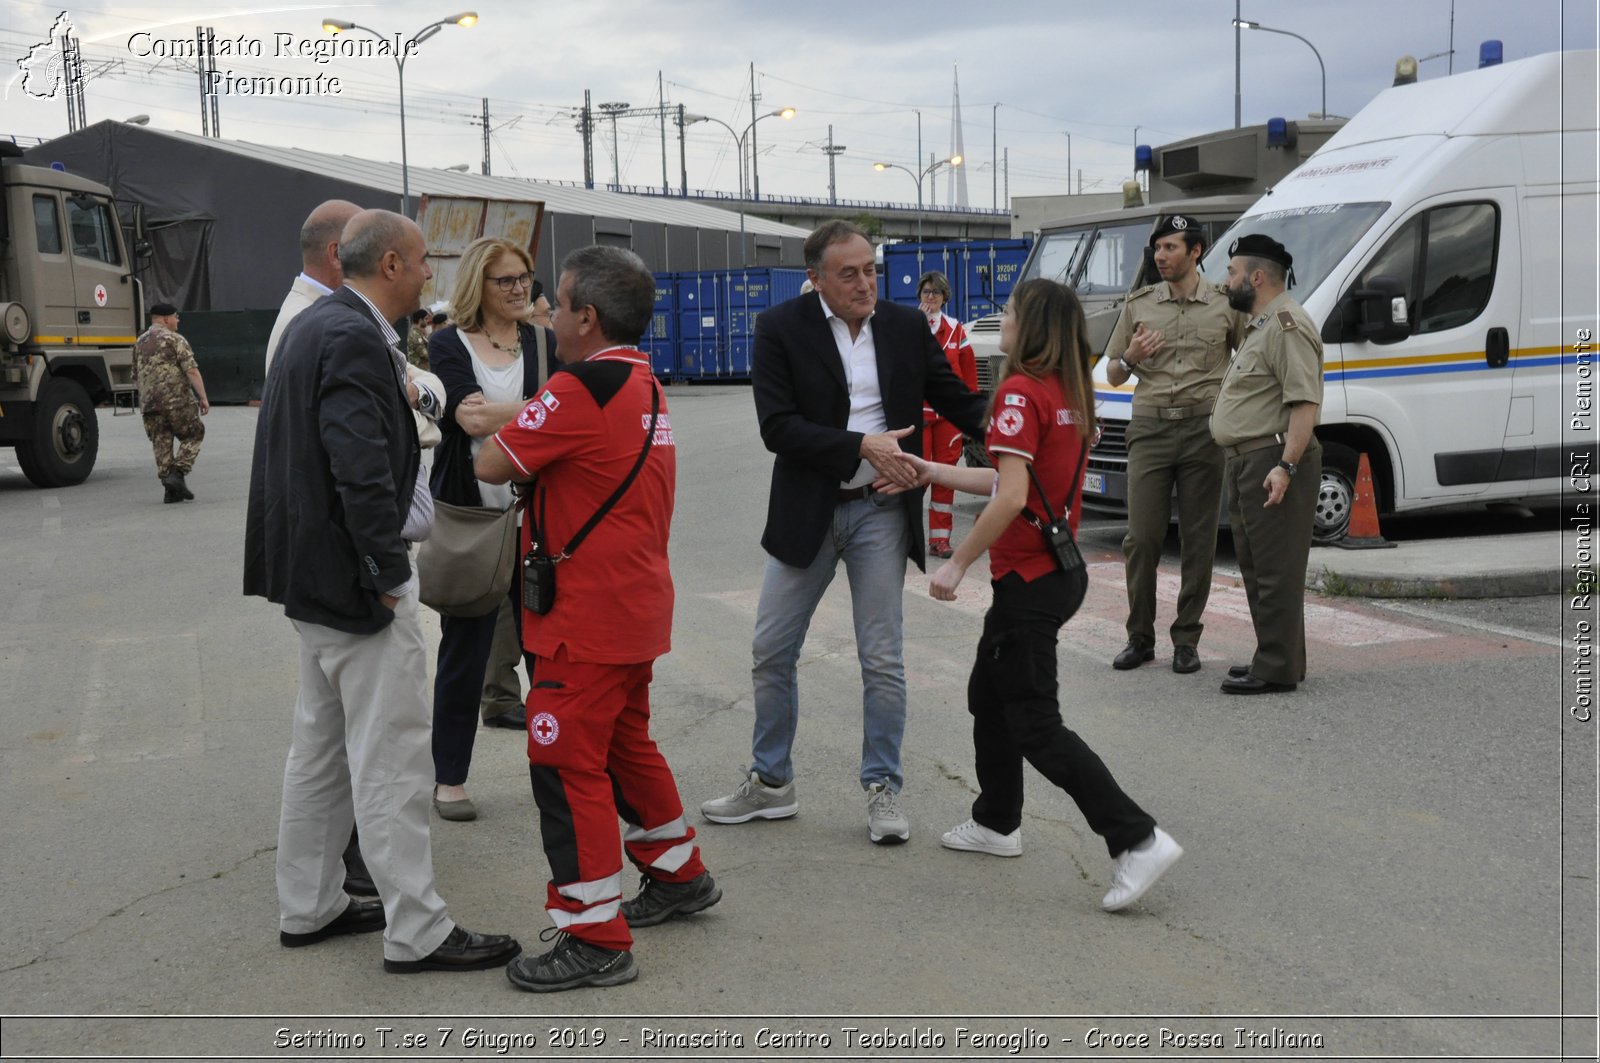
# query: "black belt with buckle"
854,494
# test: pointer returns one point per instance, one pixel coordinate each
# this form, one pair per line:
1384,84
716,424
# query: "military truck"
70,310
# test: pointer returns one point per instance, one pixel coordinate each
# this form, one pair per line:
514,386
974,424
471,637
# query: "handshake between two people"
898,471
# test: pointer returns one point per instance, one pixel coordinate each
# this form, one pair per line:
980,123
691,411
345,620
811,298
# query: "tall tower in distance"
957,196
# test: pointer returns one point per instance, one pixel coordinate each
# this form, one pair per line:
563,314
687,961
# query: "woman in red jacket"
941,440
1041,421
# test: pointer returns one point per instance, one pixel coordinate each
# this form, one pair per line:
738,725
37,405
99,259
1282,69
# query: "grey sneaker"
886,824
974,837
572,963
659,901
752,800
1139,868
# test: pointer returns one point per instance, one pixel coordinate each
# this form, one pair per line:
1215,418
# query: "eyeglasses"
505,284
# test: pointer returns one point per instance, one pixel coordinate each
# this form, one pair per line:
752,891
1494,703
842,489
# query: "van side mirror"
1379,311
143,252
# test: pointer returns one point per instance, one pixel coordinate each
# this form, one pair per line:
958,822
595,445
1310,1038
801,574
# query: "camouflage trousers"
183,426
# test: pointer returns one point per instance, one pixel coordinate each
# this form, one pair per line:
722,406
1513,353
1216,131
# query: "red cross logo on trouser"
544,728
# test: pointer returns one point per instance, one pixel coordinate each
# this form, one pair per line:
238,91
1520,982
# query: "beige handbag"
465,567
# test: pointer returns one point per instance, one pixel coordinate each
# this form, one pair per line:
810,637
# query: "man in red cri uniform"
590,753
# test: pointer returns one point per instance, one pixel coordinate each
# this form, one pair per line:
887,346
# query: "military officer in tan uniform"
1263,421
1173,338
170,387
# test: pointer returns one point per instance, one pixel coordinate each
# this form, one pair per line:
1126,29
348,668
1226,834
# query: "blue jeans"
872,536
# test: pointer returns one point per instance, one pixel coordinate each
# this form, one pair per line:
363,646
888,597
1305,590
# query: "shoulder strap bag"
1058,533
538,565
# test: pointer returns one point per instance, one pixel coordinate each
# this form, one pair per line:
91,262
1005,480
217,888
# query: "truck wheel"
65,436
1337,494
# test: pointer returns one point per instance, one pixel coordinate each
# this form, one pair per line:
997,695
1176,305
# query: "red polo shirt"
1032,421
580,436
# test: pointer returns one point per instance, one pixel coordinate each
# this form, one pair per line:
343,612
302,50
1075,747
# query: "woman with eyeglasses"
1041,423
490,361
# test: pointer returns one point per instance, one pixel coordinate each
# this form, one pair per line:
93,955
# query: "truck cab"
70,307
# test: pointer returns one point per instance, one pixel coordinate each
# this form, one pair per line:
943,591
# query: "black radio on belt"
538,582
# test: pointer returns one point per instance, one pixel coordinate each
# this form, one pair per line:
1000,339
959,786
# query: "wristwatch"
1127,367
1287,466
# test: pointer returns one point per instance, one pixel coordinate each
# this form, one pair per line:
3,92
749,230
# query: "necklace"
514,347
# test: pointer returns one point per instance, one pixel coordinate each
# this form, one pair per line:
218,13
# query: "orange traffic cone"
1362,532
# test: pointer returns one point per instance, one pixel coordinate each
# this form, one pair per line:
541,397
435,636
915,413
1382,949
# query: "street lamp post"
738,145
917,176
337,26
738,138
1244,24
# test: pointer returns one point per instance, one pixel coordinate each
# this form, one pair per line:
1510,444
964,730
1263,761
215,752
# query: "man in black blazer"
839,380
332,503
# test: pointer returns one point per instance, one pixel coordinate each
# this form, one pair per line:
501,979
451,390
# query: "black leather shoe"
512,720
1185,659
1132,656
361,917
1249,684
463,950
170,495
357,879
1236,671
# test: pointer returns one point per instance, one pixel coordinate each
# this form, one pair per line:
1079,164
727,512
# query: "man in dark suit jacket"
840,380
333,500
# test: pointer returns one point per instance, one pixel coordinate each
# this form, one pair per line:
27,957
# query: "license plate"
1094,483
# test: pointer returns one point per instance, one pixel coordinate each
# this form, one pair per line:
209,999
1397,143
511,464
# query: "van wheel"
1336,495
64,438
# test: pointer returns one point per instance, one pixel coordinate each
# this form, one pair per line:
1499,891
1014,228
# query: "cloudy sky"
1094,70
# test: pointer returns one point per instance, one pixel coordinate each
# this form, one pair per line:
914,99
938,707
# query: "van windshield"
1053,254
1318,238
1092,258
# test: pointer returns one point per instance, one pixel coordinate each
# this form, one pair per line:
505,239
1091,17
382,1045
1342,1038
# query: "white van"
1445,240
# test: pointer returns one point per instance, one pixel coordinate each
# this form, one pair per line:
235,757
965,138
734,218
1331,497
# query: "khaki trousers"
1162,454
1273,546
360,753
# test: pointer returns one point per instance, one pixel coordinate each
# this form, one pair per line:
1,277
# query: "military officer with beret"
1173,338
173,396
1264,417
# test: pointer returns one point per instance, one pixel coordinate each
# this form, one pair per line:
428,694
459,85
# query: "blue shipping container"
981,272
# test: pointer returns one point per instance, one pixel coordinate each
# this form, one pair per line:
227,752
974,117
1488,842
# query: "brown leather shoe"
462,950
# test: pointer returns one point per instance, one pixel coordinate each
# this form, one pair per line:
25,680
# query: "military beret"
1177,223
162,310
1259,245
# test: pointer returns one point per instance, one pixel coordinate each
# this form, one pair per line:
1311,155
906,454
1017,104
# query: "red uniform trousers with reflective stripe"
941,442
591,759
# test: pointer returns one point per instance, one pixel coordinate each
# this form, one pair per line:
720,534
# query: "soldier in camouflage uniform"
417,339
169,384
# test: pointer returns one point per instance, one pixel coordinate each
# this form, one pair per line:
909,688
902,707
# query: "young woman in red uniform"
1042,416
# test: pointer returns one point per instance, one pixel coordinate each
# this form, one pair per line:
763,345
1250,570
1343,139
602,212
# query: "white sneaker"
1139,868
886,824
752,800
974,837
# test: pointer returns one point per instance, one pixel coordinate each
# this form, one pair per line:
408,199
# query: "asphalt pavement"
1397,860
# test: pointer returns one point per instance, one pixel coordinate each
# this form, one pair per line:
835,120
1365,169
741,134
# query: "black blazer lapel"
884,348
819,337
